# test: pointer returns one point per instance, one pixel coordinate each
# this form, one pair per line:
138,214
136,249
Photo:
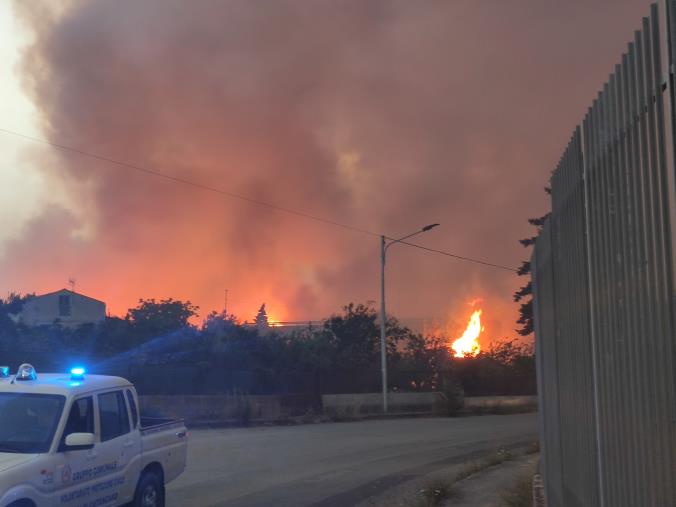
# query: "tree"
14,302
12,305
153,318
219,323
425,363
354,334
220,332
112,336
525,320
504,368
261,320
352,340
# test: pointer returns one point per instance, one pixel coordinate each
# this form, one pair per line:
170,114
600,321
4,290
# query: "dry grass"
437,491
520,494
498,457
533,448
474,467
471,468
433,494
500,409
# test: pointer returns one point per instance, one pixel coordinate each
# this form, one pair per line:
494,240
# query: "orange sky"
386,115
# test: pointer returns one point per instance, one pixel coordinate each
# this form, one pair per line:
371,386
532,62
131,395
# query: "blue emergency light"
4,371
77,373
26,372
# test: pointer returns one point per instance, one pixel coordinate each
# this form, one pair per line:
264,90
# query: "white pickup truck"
77,440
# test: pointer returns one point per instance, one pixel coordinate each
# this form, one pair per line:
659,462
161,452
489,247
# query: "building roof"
61,291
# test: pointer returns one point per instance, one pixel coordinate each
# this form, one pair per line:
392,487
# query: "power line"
459,257
194,184
233,195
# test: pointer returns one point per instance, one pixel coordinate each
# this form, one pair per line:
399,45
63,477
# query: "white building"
64,306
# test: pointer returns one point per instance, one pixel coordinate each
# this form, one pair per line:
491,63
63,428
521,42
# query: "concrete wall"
45,309
216,409
356,405
498,402
238,409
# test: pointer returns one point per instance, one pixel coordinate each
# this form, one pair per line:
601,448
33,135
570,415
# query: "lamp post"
384,245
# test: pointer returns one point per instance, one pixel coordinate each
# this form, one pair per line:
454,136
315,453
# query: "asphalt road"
332,465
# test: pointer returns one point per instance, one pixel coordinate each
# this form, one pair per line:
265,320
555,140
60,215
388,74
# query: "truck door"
72,477
120,446
134,448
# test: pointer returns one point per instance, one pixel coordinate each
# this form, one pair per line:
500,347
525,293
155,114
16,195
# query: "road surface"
332,465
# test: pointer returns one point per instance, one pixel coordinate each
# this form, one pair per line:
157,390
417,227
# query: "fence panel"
604,291
573,334
547,366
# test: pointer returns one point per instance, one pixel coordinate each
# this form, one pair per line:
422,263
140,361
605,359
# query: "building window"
64,306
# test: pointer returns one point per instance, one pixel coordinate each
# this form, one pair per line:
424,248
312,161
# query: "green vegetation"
158,346
525,293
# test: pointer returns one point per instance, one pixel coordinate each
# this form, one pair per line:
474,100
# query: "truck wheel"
149,492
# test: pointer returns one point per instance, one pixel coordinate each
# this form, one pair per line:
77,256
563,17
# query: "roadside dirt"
483,489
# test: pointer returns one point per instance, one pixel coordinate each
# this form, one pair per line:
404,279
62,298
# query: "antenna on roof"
71,282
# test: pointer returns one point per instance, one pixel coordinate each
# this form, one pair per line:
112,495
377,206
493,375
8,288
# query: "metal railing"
604,301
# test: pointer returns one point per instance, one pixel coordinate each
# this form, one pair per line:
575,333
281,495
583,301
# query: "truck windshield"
28,421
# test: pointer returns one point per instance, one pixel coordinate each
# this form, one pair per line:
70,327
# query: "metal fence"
604,300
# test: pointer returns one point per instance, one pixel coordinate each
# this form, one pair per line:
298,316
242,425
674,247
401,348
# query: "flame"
274,319
468,343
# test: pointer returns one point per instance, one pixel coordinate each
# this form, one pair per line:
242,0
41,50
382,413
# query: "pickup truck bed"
163,440
149,424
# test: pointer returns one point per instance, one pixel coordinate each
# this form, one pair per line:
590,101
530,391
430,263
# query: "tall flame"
468,343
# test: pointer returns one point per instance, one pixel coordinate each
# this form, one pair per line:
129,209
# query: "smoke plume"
387,115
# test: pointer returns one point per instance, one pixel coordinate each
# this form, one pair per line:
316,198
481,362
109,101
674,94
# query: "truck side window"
134,410
80,419
113,415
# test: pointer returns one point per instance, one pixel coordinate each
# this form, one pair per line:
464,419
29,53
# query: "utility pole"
383,318
384,245
225,304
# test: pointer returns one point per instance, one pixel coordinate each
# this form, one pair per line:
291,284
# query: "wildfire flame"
468,343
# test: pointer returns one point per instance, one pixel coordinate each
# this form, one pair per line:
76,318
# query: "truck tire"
149,492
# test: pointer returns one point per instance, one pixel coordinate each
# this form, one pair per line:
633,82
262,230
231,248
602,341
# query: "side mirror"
80,441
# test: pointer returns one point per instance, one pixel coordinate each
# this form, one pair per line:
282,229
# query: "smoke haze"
387,115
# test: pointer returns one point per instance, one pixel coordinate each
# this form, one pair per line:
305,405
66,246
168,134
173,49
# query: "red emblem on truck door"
66,474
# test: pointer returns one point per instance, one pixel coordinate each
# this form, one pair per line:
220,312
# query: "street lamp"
384,245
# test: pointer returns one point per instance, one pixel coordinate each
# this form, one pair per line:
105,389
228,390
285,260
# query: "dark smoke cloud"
386,115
